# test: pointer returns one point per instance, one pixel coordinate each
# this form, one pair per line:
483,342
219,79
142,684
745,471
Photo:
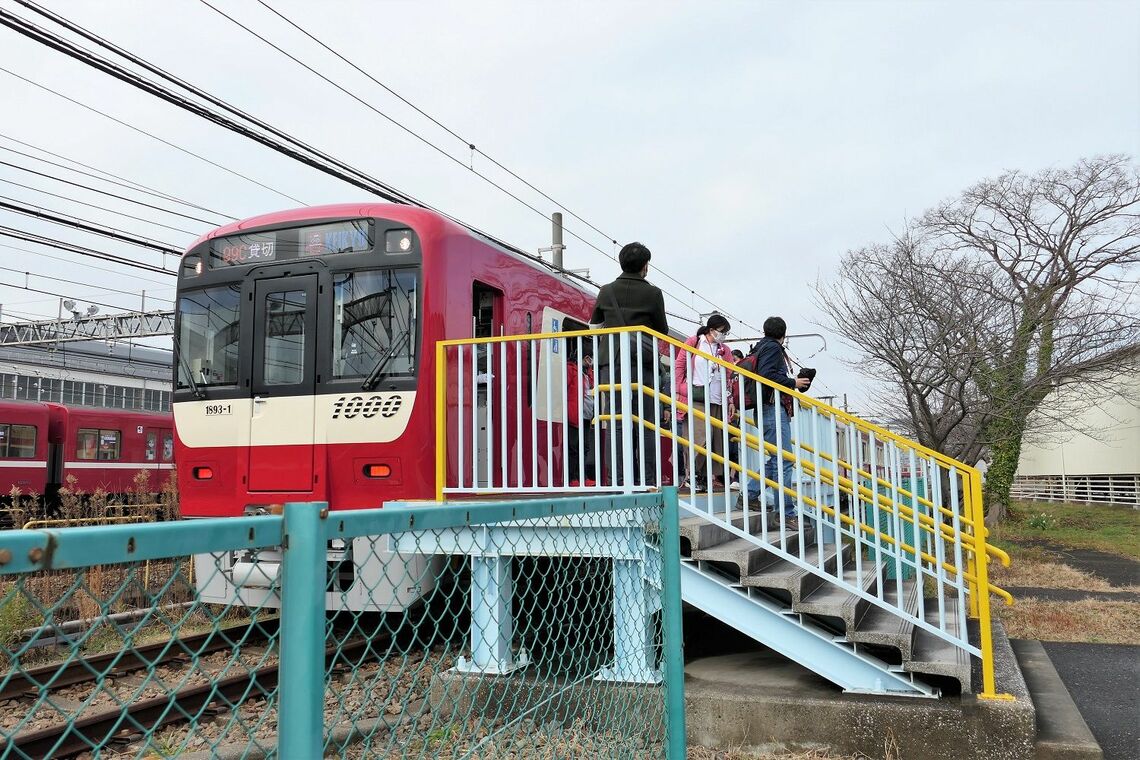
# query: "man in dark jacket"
631,301
772,364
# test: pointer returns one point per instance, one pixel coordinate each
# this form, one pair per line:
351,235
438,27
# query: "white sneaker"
734,485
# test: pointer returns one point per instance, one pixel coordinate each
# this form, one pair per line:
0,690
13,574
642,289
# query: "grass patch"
1030,569
1088,621
1078,526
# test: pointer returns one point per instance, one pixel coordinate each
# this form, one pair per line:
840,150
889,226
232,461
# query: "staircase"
872,592
868,648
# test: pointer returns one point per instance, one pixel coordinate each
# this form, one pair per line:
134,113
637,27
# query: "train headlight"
398,241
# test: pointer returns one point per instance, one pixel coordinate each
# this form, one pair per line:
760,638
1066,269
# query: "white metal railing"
1081,489
516,420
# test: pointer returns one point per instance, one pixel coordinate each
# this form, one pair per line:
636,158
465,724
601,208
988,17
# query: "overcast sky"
749,145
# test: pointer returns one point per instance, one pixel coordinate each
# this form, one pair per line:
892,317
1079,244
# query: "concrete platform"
760,701
1061,731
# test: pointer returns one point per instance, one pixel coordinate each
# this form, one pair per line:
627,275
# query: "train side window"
87,444
21,441
167,447
151,447
109,444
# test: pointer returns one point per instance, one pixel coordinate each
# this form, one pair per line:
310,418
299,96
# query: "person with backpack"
769,360
710,395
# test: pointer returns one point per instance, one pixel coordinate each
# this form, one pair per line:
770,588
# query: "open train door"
283,384
486,322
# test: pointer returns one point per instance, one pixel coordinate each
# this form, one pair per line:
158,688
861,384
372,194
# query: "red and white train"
305,369
42,444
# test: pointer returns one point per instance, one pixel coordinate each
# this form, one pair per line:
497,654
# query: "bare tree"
1023,285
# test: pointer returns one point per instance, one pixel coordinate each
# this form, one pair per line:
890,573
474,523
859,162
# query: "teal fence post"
300,724
671,622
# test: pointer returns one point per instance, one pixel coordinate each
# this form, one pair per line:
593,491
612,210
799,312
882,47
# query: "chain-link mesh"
538,637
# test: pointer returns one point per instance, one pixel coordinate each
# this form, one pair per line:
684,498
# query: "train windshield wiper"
377,373
194,387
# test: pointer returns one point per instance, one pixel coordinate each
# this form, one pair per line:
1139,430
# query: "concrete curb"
1061,730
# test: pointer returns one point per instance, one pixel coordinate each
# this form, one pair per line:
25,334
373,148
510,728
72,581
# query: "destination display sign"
253,248
354,236
338,237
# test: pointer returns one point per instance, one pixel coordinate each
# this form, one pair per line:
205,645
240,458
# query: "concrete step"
792,582
934,656
1061,730
832,601
746,555
882,627
705,533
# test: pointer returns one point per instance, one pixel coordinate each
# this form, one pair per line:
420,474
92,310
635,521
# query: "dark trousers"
586,450
642,405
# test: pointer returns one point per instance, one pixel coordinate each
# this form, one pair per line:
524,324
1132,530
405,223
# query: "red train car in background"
42,444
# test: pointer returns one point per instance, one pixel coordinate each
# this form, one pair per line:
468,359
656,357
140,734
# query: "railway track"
127,723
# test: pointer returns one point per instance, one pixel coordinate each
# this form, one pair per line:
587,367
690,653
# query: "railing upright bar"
763,471
655,406
895,470
839,565
462,444
548,357
489,382
725,448
818,492
691,424
855,445
940,541
533,390
627,424
801,511
637,431
580,384
710,473
565,411
781,495
963,585
614,428
504,461
595,424
674,460
872,453
475,474
520,476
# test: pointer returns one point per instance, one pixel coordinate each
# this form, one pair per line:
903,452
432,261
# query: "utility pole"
556,246
844,402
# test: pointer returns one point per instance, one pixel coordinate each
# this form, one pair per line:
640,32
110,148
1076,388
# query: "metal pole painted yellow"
440,419
989,687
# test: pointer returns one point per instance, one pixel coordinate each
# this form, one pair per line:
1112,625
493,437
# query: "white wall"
1112,449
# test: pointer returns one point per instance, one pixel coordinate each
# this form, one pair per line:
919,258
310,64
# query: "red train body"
269,412
41,445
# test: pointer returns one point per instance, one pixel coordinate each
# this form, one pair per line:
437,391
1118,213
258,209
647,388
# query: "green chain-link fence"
546,628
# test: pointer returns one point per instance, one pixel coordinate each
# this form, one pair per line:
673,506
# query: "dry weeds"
1088,621
1044,573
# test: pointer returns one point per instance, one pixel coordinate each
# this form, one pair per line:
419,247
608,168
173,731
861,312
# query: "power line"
31,237
83,264
104,289
126,183
471,145
88,226
4,14
92,205
61,295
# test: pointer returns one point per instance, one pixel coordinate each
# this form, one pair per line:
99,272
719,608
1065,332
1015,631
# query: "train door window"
151,446
87,444
167,446
284,358
21,441
109,444
4,432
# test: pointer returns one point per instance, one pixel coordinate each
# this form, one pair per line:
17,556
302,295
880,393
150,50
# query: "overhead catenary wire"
113,179
104,289
470,144
84,264
151,135
88,226
308,155
31,237
64,295
92,205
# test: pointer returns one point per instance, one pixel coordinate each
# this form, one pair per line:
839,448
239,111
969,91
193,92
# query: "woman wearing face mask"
710,396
